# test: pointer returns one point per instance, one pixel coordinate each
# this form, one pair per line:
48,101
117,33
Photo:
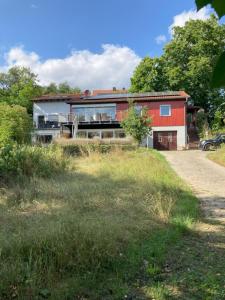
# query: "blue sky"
51,36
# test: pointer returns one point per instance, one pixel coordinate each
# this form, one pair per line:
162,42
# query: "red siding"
177,117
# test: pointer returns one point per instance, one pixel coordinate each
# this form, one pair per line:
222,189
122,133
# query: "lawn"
218,156
99,231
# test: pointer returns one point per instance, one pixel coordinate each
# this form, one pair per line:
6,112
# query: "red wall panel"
177,118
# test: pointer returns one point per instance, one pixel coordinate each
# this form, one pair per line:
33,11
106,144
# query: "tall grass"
24,160
218,156
88,233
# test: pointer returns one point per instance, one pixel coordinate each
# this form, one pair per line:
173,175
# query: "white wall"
181,136
45,108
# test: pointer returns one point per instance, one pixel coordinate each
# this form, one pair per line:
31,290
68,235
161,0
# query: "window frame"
165,105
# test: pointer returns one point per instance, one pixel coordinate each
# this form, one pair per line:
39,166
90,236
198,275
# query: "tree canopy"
61,88
18,86
186,64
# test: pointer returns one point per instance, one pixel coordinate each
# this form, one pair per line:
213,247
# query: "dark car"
214,143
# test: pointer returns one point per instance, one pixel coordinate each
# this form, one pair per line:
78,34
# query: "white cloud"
160,39
181,19
85,69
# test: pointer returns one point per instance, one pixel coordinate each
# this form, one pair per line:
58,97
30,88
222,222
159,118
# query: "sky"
88,43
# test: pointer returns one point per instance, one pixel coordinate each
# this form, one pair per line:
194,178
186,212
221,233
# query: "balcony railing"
55,122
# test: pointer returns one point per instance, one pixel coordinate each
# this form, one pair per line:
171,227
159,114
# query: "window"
41,121
138,109
93,134
120,134
82,134
44,139
95,114
107,134
160,138
165,110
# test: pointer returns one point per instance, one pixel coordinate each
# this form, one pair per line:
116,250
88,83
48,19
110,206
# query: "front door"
165,140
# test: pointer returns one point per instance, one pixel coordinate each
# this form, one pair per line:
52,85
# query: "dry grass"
97,141
86,233
218,156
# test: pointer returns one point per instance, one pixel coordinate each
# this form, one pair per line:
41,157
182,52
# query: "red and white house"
98,115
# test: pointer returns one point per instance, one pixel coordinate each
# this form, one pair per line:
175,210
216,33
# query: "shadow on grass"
195,266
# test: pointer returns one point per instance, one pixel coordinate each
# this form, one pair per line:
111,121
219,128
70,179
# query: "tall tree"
62,88
187,63
18,86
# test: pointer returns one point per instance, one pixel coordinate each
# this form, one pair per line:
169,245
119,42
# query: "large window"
48,121
93,134
95,114
107,134
165,110
120,134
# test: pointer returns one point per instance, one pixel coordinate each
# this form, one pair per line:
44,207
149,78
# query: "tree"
149,76
187,63
218,77
15,124
62,88
18,86
136,123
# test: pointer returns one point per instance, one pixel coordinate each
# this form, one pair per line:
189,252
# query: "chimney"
86,93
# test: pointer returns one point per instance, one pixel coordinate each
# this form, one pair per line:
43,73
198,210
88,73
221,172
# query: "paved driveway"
206,178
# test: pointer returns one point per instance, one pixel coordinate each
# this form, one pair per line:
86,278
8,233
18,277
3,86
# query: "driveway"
206,178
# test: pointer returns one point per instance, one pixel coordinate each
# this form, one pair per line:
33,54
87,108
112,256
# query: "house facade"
99,115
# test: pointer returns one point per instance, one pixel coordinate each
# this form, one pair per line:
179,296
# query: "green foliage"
202,123
62,88
149,76
136,124
17,160
218,5
92,233
186,64
218,123
18,87
218,79
15,124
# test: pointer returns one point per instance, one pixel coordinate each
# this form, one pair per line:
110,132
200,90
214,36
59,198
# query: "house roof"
107,92
124,97
114,97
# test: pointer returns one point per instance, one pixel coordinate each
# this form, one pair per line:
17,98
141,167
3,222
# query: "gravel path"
206,178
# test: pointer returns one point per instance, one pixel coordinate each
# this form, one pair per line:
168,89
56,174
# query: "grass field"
218,156
100,231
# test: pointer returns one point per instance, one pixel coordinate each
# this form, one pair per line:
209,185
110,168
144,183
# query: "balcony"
57,120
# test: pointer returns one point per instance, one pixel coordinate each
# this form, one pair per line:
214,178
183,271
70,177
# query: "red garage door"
165,140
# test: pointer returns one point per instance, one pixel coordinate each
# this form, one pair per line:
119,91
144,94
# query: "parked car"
213,143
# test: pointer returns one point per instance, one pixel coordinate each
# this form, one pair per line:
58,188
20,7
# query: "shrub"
85,147
16,160
136,124
15,124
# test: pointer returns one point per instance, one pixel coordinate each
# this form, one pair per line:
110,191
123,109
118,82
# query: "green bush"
16,160
15,124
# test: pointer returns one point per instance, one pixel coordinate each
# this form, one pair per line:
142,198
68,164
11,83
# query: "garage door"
165,140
